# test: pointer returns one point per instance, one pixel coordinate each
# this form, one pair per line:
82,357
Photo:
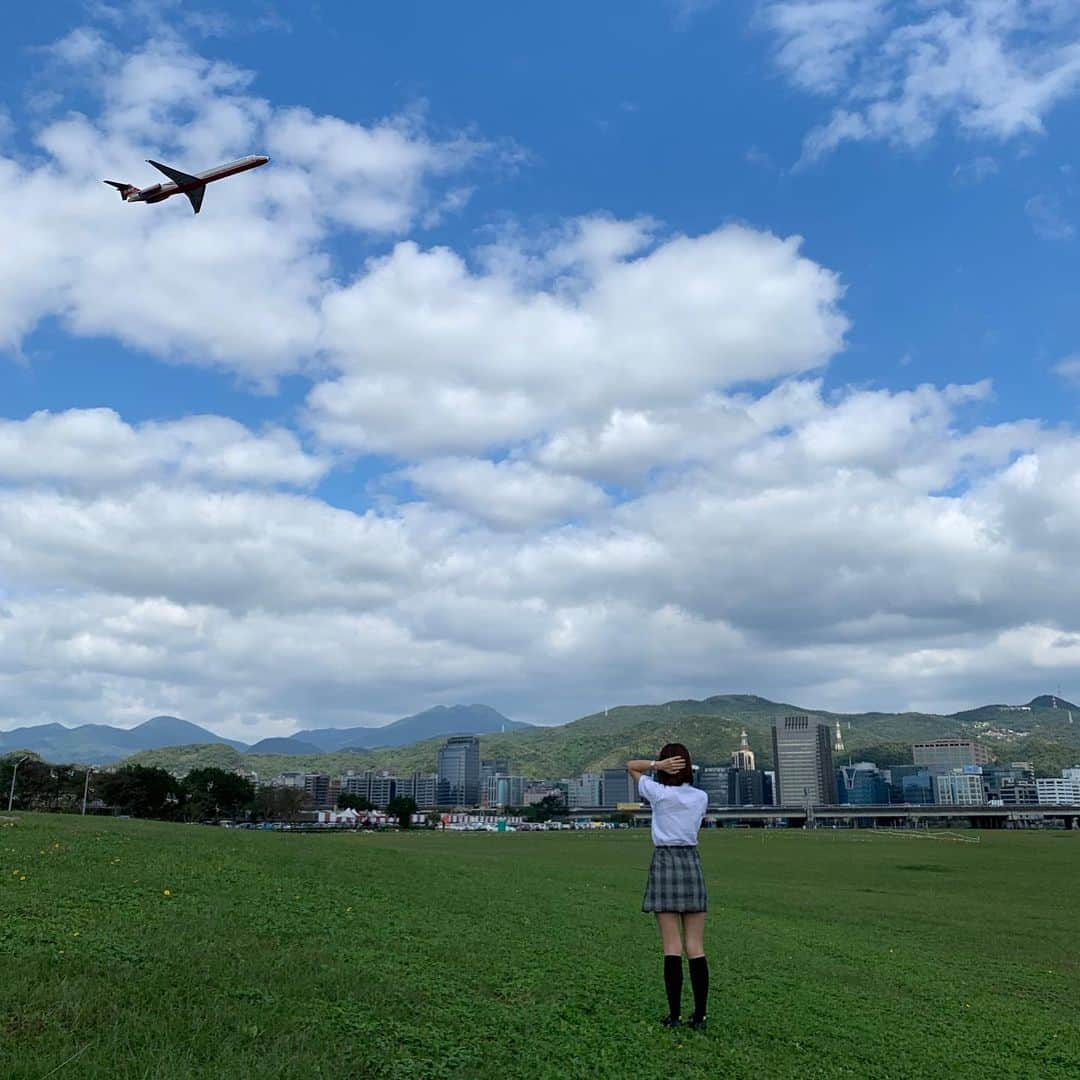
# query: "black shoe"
697,1023
671,1022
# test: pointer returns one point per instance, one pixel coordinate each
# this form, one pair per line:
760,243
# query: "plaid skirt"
676,882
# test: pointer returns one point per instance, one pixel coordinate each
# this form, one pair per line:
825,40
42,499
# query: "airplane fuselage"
158,192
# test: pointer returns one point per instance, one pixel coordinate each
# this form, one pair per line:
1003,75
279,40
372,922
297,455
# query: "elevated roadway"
989,817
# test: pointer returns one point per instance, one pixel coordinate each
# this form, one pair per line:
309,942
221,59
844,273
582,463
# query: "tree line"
209,794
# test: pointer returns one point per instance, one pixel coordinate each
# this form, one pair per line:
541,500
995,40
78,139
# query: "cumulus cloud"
95,447
839,549
617,472
243,294
512,494
438,358
902,70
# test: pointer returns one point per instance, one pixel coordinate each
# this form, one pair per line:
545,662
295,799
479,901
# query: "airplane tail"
124,189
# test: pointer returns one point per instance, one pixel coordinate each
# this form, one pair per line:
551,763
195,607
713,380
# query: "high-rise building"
506,790
953,753
910,784
459,771
317,789
726,786
425,790
1011,784
770,795
960,787
838,741
385,787
618,786
749,786
584,790
494,767
802,753
353,783
1058,790
743,758
862,784
713,780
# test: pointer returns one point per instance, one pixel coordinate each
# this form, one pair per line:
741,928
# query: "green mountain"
1042,732
99,744
440,720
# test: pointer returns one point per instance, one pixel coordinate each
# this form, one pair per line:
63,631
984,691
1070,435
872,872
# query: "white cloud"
254,265
1048,219
901,71
838,552
975,171
680,508
438,358
94,447
819,39
1069,368
685,10
510,494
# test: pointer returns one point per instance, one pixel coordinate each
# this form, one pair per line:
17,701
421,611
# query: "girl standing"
676,886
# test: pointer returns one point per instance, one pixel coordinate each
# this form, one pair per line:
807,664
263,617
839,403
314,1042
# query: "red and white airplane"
194,187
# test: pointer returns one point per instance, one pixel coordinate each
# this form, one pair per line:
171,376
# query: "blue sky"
936,203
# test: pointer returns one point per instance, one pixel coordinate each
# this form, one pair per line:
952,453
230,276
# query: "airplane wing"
174,174
195,195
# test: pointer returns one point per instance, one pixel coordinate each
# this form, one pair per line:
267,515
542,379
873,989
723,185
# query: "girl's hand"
671,764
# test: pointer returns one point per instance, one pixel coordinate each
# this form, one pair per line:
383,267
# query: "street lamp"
86,788
11,794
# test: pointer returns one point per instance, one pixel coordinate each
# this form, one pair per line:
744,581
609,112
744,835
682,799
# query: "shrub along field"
136,949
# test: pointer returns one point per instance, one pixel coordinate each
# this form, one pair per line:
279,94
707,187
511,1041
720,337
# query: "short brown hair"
685,775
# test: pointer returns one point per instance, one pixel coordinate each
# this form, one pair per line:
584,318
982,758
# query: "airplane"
194,187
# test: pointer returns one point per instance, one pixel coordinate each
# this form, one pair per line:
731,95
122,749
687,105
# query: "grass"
140,950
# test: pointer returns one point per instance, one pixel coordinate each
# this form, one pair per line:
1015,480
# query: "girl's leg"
693,927
668,922
694,933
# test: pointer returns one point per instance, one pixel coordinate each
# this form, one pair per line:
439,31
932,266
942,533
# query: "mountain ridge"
710,729
102,744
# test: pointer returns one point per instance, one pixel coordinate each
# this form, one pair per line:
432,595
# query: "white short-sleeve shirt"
676,811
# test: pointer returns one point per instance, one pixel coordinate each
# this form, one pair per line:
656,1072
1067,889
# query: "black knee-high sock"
699,981
673,984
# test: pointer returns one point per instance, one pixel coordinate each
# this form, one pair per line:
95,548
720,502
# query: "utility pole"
11,794
86,788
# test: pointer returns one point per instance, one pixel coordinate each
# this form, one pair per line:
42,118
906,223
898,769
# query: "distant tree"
548,807
403,809
278,803
215,793
347,801
142,792
31,778
434,819
40,785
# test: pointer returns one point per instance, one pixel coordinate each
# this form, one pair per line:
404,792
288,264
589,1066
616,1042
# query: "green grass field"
142,950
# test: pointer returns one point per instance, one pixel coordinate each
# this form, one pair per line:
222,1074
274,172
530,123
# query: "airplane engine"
149,192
